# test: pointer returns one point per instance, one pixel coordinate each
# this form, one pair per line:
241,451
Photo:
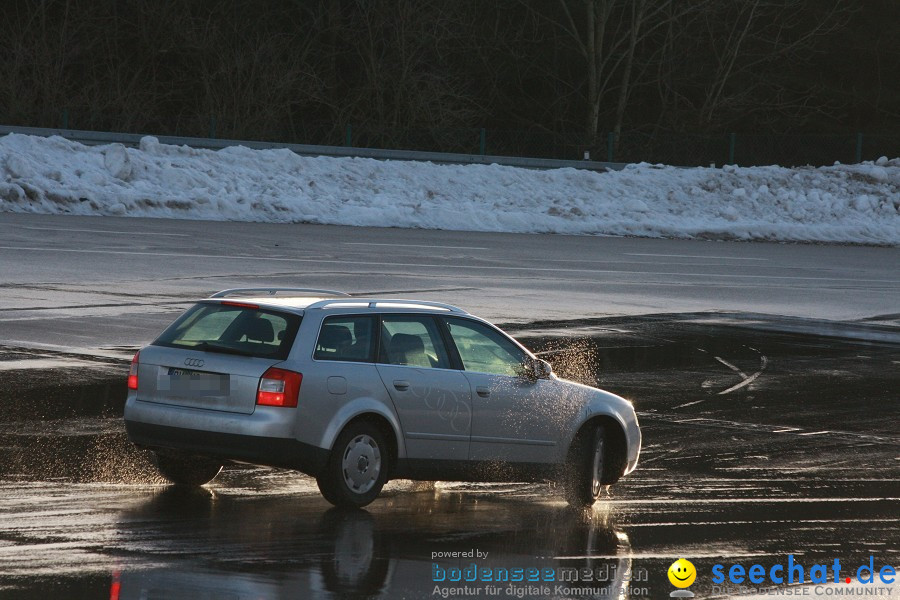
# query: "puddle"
757,444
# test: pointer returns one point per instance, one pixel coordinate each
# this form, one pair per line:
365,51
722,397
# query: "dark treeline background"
542,76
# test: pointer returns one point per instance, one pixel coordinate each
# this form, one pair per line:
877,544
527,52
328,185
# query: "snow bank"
843,203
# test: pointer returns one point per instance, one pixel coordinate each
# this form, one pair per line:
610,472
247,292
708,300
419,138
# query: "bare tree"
609,36
400,75
743,50
40,43
426,73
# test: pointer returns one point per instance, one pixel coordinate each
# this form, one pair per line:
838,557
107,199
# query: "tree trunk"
637,15
593,96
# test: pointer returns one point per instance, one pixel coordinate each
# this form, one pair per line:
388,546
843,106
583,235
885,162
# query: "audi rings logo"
193,362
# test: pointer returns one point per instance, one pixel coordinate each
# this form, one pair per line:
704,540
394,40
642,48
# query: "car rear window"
239,329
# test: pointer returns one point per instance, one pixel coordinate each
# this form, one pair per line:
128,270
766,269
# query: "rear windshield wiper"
212,347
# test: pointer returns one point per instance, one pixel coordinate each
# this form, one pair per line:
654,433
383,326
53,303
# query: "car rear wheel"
186,470
357,468
585,471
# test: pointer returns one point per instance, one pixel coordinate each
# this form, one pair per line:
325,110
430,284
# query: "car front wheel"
584,473
357,468
190,471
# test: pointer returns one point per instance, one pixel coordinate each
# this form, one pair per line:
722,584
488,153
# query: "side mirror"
542,369
532,370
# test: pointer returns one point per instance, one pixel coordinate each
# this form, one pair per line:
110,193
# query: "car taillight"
279,387
115,588
133,372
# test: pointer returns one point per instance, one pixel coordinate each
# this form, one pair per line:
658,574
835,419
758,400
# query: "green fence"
671,148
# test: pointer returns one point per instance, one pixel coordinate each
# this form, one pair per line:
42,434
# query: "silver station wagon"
357,391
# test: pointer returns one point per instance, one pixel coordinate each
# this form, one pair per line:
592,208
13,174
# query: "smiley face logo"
682,573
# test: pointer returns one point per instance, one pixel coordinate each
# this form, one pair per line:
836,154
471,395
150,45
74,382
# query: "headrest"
335,336
406,344
260,329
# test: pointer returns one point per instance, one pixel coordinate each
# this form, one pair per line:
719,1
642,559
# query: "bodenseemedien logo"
682,574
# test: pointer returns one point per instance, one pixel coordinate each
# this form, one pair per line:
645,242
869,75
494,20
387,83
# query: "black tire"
586,469
191,471
357,467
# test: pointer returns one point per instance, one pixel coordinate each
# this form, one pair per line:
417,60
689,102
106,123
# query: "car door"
432,399
512,416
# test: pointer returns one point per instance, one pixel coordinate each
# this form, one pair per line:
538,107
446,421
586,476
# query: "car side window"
485,350
347,337
412,340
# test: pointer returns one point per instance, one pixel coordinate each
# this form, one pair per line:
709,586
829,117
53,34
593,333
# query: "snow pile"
843,203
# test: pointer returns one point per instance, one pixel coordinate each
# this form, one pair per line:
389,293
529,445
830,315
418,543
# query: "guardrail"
94,138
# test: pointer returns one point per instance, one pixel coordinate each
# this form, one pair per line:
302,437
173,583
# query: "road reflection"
215,546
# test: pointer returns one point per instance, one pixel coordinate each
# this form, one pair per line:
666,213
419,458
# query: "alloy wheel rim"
361,464
597,469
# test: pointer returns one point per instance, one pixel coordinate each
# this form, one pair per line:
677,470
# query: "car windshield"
240,329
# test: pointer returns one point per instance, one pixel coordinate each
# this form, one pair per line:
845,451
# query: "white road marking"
747,379
763,361
413,245
760,428
731,366
103,231
691,403
693,256
529,269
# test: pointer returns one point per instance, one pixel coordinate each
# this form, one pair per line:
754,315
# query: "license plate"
187,382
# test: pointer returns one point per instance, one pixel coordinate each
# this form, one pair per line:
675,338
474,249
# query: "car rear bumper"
274,452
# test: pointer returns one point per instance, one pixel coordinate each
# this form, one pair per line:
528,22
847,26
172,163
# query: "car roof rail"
271,291
373,303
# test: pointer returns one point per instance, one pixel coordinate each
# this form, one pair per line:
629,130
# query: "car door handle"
401,385
483,391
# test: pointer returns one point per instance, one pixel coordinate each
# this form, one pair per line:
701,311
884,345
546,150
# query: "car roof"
302,303
280,302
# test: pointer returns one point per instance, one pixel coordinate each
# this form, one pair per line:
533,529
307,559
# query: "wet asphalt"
758,443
